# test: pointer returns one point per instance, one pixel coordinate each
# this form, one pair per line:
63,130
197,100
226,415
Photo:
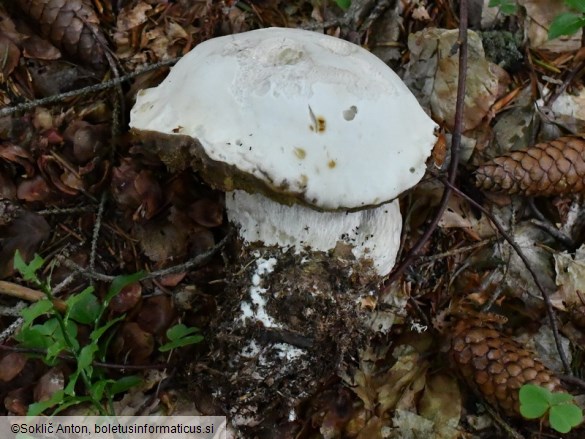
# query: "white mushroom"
300,117
313,139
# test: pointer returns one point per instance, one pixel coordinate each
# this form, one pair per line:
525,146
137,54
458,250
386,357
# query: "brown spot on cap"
300,153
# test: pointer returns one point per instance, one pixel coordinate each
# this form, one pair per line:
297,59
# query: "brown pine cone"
495,365
550,168
72,26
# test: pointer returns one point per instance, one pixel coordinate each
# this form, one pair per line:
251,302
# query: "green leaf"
179,336
565,24
71,329
33,338
343,4
125,383
534,401
120,282
507,7
560,398
96,334
193,339
70,401
54,349
98,388
579,5
85,357
70,388
179,331
84,307
36,310
564,417
28,271
39,407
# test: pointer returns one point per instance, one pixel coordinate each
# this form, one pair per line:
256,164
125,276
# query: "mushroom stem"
371,234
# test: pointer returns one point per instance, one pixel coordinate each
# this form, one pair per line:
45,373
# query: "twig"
30,295
510,431
456,251
197,261
94,363
85,90
570,379
96,232
66,211
11,329
549,307
455,146
560,90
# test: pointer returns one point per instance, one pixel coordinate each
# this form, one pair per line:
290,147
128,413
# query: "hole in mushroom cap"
350,113
412,170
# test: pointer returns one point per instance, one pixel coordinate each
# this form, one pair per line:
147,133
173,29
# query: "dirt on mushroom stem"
288,323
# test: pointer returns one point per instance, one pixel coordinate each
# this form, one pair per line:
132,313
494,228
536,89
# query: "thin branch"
195,262
455,146
28,294
85,90
548,304
94,363
96,232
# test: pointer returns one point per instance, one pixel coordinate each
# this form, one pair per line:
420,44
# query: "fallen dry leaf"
127,298
132,344
441,402
11,365
156,314
10,55
432,75
51,382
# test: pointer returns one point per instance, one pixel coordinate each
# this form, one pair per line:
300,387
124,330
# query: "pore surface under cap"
302,112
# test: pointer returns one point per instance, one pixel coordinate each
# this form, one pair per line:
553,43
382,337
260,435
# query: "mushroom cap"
296,115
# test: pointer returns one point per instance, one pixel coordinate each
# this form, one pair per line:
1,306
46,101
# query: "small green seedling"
568,23
179,336
538,402
47,330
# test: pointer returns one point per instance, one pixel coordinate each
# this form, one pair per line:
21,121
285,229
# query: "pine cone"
550,168
495,365
72,26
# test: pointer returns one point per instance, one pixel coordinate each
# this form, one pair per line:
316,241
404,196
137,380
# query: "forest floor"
134,259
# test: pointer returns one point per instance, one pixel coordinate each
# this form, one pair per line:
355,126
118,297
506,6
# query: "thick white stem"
372,233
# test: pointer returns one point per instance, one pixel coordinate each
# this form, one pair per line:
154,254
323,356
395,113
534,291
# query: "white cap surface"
301,112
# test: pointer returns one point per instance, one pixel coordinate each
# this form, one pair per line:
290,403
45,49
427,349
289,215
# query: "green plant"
343,4
568,23
54,333
179,336
538,402
507,7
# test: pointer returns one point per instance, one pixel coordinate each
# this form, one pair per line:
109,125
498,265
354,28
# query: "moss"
502,48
